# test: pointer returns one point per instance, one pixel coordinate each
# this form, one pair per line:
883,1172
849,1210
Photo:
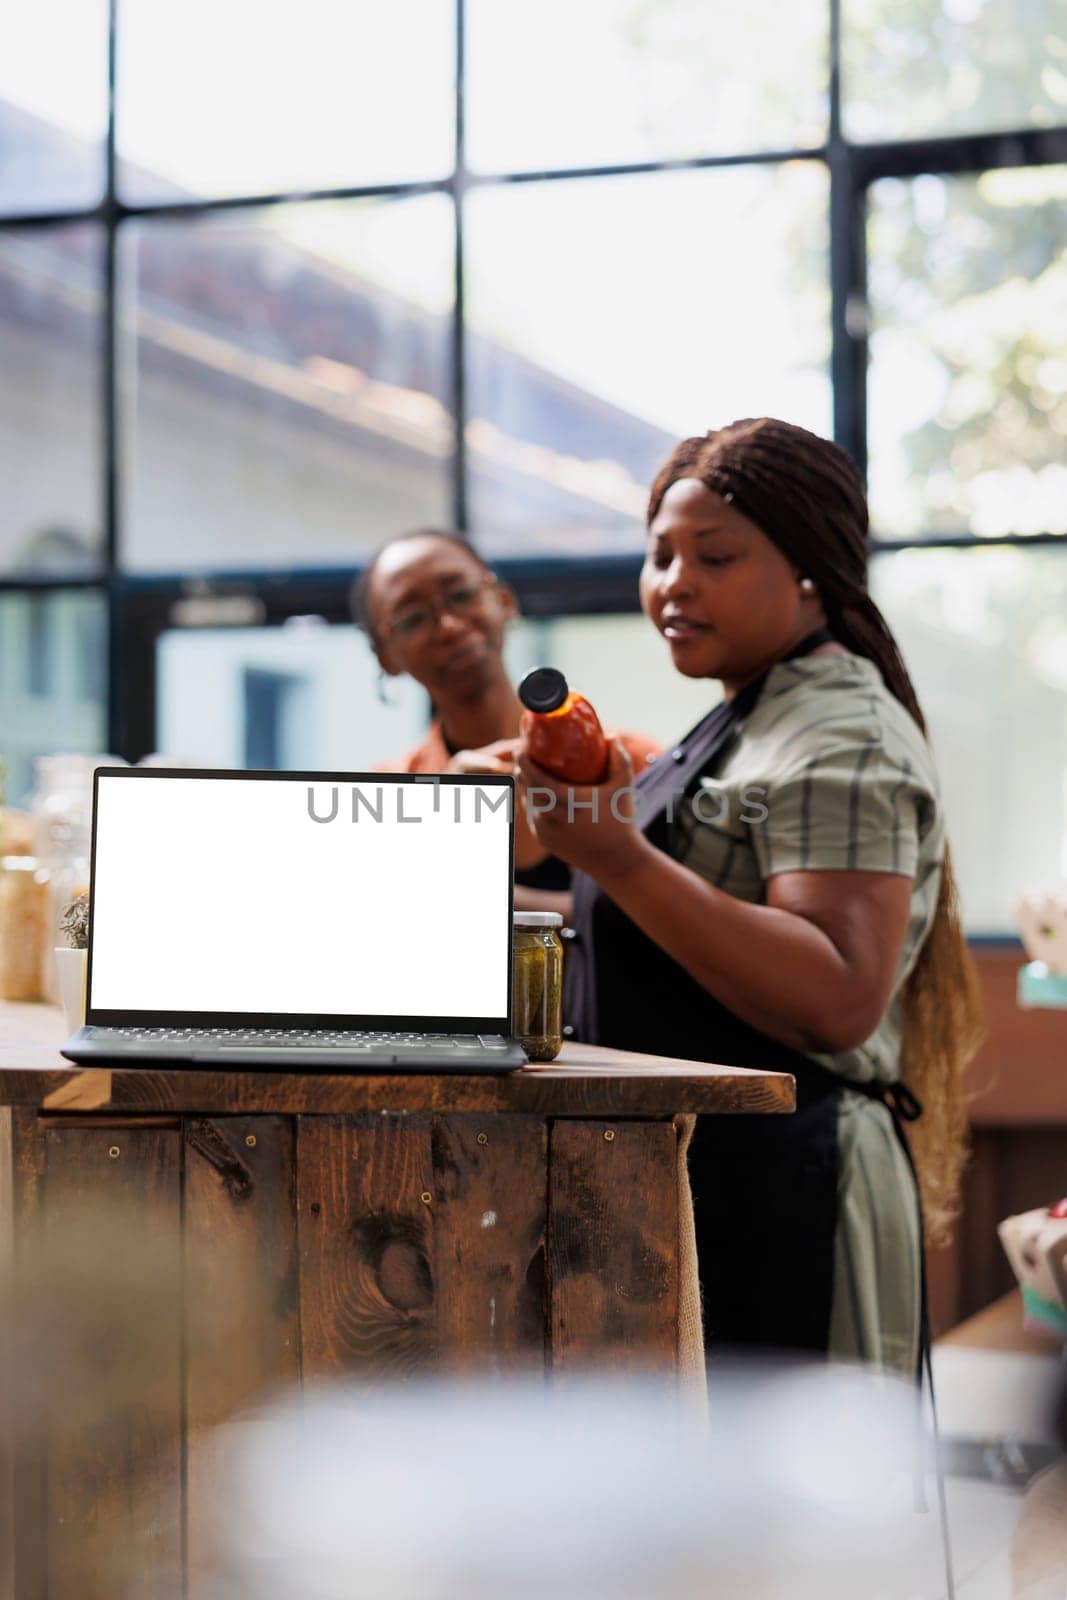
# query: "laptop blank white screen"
271,896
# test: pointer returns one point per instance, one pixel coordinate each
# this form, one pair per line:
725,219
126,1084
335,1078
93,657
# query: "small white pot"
72,967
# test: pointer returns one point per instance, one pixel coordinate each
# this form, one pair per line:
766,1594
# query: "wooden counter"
583,1080
176,1243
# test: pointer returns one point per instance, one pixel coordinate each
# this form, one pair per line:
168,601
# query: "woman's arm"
813,967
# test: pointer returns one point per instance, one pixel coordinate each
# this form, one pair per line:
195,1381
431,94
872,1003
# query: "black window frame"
140,609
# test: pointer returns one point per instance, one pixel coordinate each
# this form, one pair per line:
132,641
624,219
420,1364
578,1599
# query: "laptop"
300,921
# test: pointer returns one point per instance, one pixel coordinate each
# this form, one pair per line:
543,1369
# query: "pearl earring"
807,586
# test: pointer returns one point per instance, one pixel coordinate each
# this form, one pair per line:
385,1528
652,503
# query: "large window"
559,85
984,633
608,317
232,97
278,281
968,376
51,435
52,645
286,396
919,67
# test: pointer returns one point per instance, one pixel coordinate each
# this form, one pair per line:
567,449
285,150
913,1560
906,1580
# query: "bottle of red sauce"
561,729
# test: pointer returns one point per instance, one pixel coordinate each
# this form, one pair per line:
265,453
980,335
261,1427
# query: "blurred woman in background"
433,609
779,895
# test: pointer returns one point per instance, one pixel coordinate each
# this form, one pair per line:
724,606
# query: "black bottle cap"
543,689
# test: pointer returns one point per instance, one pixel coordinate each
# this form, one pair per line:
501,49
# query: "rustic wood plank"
613,1235
112,1280
242,1326
643,1092
611,1085
86,1091
490,1181
22,1486
365,1236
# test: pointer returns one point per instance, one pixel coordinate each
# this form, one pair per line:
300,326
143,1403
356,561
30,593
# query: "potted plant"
72,959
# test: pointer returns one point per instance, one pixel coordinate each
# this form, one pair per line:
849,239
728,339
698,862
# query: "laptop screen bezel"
96,1016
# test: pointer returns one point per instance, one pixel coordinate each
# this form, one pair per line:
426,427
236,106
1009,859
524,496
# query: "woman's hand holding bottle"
589,826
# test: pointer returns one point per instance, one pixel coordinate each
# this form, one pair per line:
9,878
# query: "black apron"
764,1187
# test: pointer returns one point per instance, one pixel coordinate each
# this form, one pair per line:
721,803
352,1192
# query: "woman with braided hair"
776,892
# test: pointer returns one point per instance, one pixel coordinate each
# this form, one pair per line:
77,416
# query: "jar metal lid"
537,919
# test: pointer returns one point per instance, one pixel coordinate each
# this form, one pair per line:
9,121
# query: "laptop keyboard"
286,1037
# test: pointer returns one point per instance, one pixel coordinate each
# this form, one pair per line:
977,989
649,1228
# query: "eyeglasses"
457,602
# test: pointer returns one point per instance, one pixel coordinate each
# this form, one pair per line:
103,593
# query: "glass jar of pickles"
537,984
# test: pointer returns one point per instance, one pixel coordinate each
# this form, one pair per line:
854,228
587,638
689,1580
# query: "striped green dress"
829,773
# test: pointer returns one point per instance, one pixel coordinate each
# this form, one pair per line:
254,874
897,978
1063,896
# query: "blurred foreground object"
598,1490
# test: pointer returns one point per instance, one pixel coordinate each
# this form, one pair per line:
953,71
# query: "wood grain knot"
207,1141
393,1249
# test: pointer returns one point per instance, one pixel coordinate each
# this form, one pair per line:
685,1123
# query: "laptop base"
233,1049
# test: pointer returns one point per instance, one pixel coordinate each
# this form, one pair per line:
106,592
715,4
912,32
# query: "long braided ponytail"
807,496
